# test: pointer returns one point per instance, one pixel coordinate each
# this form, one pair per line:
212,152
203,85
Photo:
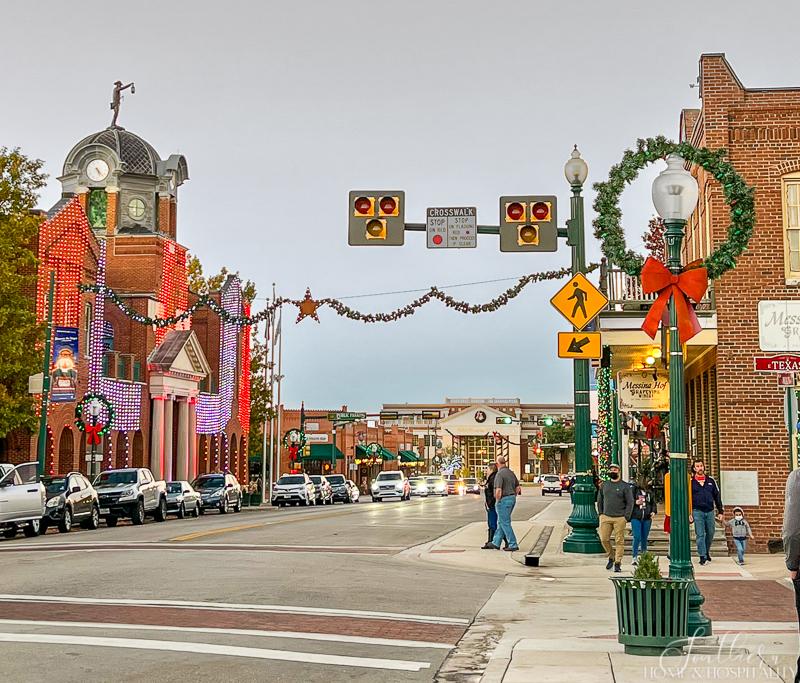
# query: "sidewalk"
558,622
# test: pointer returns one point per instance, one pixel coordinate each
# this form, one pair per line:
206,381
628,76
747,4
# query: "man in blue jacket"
705,499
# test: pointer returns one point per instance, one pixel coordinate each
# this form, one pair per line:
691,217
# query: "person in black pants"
791,541
491,512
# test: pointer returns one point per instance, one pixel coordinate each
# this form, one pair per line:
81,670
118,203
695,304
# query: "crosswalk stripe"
213,649
298,635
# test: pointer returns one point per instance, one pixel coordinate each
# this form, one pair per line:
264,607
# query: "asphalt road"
302,594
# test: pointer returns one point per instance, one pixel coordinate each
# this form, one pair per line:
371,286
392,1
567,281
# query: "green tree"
260,397
557,433
201,284
20,335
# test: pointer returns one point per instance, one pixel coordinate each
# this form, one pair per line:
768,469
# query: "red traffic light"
388,205
515,211
364,205
540,211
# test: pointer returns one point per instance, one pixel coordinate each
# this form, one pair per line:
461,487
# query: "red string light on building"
173,292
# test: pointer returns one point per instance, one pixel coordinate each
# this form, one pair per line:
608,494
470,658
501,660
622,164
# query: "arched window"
66,450
791,225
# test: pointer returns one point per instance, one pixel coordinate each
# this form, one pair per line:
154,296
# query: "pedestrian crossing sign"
579,301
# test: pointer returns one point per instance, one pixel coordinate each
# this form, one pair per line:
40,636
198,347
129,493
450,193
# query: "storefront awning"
410,458
383,455
323,451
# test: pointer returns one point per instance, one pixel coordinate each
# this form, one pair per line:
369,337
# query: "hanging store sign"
316,438
779,325
643,390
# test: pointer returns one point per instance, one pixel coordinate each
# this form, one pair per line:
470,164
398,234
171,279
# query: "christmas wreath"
738,196
94,431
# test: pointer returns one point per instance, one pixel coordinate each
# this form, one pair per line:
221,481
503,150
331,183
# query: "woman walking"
644,507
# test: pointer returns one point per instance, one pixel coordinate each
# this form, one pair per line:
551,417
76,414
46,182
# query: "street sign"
431,414
389,415
787,362
579,301
579,345
787,379
452,227
346,417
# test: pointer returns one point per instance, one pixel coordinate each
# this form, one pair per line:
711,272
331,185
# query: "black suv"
71,499
219,491
340,487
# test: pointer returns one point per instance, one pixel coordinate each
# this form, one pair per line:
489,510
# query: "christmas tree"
654,239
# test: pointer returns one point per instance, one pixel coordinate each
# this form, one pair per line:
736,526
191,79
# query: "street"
307,594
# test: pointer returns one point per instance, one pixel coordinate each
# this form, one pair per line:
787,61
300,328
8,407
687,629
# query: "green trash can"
652,615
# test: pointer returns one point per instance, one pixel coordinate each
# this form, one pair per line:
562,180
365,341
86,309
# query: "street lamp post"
94,411
584,521
675,197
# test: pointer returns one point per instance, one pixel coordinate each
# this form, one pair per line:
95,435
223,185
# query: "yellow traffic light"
376,229
527,235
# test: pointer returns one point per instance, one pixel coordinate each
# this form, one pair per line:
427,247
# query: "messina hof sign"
643,390
779,325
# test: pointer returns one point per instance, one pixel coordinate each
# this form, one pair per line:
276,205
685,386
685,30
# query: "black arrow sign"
576,345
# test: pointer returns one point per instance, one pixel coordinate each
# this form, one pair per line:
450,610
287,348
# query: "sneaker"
741,563
702,560
609,564
708,558
489,546
511,549
617,568
635,561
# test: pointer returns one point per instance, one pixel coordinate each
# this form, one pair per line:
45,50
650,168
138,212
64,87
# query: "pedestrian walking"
791,541
706,499
644,507
740,529
491,510
506,490
615,506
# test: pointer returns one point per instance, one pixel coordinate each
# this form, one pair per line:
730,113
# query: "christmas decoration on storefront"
340,308
294,440
104,421
652,426
605,421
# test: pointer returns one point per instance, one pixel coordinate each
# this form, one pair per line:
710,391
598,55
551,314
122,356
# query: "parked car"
551,483
323,492
437,486
22,500
355,494
219,491
71,499
392,484
419,486
182,499
340,488
131,492
293,489
471,485
455,485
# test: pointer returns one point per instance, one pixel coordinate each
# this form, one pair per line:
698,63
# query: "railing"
625,292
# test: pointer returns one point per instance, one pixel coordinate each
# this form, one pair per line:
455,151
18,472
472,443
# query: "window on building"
791,225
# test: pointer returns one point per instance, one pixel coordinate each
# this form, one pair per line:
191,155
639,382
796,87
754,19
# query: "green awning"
409,457
323,451
384,454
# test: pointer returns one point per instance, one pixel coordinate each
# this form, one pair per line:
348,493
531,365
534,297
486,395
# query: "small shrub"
647,567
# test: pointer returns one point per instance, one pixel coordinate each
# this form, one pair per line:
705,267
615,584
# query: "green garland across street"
738,195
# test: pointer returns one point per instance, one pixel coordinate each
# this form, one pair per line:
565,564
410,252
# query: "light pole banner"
64,372
643,390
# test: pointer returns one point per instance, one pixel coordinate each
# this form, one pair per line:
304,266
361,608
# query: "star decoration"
308,307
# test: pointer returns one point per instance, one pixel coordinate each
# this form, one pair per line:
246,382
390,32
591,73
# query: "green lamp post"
584,521
675,196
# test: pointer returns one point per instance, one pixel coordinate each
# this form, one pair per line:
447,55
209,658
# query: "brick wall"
761,130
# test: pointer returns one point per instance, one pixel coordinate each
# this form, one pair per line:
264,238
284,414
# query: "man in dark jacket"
491,512
705,498
614,505
791,541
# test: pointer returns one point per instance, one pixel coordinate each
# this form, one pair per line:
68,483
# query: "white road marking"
298,635
233,606
212,649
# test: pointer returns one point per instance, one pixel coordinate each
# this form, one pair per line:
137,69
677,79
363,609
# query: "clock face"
97,170
136,208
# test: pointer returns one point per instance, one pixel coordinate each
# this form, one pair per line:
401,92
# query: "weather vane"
116,98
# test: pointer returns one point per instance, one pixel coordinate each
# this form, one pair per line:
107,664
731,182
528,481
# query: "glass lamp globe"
576,169
675,191
94,407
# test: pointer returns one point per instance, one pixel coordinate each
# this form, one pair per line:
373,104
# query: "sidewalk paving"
558,622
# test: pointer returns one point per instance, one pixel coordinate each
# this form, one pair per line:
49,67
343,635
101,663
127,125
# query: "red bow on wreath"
690,284
293,449
652,426
93,434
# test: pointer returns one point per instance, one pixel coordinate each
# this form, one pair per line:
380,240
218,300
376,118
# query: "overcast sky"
281,108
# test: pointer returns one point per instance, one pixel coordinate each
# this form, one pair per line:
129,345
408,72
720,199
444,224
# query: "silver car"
182,499
22,500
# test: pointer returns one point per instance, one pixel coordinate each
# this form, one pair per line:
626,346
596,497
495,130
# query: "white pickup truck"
22,499
131,492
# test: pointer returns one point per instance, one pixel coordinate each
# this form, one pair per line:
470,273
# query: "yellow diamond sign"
579,301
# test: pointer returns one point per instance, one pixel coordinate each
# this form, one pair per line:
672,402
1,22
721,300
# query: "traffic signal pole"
584,520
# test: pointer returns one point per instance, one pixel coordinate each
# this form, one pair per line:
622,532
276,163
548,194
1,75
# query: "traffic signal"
326,467
307,450
376,218
528,223
431,414
503,420
548,421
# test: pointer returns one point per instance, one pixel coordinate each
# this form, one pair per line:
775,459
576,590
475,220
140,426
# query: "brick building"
179,393
736,417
